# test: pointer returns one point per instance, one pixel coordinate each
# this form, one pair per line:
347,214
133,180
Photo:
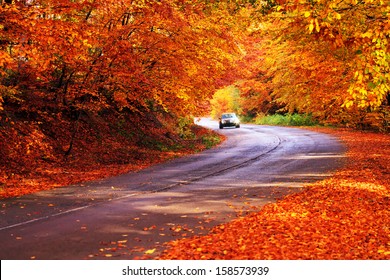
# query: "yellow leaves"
311,26
299,215
293,214
317,25
86,43
367,34
333,22
139,3
182,94
151,251
348,104
358,75
224,100
314,24
371,81
384,252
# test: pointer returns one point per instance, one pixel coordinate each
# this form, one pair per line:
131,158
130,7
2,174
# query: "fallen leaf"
151,251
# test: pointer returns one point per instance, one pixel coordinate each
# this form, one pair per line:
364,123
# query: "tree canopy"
90,55
325,58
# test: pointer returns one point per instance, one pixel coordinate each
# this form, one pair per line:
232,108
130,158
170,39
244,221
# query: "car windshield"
226,116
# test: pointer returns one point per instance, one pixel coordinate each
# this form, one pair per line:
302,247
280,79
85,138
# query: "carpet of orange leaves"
344,217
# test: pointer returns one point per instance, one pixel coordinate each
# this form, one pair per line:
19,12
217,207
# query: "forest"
86,81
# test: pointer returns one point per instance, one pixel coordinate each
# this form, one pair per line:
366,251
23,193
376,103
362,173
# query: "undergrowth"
287,120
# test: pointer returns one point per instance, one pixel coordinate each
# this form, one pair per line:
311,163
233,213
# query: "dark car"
229,120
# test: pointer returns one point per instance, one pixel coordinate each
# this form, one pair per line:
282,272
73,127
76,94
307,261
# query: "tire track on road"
162,189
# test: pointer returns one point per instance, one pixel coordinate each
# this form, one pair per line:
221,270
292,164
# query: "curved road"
125,216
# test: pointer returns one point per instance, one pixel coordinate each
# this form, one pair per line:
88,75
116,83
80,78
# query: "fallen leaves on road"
344,217
151,251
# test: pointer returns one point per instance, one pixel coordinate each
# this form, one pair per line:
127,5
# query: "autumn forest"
91,89
77,76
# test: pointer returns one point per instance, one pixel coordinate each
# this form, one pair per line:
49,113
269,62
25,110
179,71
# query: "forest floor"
346,216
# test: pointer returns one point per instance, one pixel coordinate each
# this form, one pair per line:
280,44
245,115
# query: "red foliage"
32,155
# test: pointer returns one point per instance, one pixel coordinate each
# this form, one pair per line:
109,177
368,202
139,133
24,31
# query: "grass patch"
211,140
287,120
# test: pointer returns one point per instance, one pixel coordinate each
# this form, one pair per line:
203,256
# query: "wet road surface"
125,216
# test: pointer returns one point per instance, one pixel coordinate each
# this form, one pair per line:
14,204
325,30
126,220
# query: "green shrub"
287,120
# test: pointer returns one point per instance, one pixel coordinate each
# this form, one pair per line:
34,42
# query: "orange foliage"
343,217
80,76
329,59
90,56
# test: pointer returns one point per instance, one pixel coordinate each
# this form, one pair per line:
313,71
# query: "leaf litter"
346,216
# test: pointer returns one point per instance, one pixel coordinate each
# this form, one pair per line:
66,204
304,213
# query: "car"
229,120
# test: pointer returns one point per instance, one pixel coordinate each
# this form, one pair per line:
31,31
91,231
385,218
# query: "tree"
225,100
327,58
85,57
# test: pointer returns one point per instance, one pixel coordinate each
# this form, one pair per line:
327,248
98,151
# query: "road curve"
112,217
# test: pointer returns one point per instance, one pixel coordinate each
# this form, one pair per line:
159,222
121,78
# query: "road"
125,216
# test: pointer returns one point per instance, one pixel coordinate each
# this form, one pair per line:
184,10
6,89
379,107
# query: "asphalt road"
126,216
